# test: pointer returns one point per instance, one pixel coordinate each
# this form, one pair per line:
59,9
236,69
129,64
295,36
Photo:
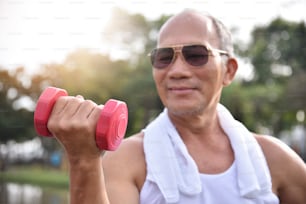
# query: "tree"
277,50
276,92
15,120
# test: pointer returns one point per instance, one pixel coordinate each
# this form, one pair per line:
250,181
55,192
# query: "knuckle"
69,100
75,100
89,103
62,99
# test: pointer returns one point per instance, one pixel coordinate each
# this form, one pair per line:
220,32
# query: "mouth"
181,90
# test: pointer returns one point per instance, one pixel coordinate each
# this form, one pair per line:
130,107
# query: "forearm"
87,182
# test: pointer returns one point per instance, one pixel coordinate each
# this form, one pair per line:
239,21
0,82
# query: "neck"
205,140
200,125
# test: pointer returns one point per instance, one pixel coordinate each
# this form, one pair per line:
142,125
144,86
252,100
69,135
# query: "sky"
36,32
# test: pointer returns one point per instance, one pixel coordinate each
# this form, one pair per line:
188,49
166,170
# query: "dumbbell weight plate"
44,107
111,125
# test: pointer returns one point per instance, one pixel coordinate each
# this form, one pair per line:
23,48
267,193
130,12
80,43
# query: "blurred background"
99,49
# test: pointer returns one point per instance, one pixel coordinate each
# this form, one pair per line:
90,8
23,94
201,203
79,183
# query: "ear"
230,71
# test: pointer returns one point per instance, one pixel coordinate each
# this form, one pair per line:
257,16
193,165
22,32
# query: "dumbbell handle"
111,125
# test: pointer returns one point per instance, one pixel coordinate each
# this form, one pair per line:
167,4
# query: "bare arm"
72,122
125,171
87,182
287,169
116,179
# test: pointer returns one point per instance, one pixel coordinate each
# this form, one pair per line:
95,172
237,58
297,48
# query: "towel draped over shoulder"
175,174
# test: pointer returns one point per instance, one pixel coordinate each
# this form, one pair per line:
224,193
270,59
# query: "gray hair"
224,35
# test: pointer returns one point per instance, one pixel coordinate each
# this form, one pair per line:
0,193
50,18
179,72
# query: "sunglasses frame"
177,49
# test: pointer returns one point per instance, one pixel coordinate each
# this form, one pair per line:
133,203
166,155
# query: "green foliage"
257,106
15,121
36,176
277,50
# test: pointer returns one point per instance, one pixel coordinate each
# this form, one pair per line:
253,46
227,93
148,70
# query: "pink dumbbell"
110,128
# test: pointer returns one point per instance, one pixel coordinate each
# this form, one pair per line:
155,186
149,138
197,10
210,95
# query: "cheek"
211,80
159,76
158,79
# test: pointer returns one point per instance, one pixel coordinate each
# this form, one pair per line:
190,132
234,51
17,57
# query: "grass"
36,176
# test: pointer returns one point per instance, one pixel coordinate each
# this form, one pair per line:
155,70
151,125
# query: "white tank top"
216,189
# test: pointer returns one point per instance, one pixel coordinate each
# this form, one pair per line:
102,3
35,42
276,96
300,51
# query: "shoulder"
287,169
275,150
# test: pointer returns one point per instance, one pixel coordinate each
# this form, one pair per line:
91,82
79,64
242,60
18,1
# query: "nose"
179,68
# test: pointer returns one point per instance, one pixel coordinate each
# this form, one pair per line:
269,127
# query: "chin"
185,111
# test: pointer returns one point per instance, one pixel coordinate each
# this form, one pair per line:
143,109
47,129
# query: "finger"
95,113
71,107
80,97
59,105
86,108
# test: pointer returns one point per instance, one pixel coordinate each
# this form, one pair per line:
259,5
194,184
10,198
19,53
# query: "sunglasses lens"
162,57
195,55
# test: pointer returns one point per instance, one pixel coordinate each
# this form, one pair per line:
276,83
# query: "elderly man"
194,151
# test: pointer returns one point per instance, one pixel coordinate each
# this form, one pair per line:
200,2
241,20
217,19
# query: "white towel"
174,171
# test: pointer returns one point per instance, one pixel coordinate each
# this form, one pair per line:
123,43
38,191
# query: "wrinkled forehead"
187,27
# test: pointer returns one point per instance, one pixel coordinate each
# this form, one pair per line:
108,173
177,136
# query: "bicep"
287,169
124,170
293,194
119,181
293,188
121,191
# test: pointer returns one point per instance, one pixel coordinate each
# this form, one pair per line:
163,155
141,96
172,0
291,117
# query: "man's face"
185,89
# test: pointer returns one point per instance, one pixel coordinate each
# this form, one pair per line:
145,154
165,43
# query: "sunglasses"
194,55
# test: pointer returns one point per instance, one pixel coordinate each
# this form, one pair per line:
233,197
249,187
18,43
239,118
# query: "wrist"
84,163
87,180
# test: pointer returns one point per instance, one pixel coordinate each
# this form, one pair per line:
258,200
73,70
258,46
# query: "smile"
181,90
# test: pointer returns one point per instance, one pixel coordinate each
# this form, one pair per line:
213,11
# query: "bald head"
192,25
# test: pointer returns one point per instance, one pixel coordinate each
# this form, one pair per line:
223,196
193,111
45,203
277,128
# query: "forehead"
187,28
